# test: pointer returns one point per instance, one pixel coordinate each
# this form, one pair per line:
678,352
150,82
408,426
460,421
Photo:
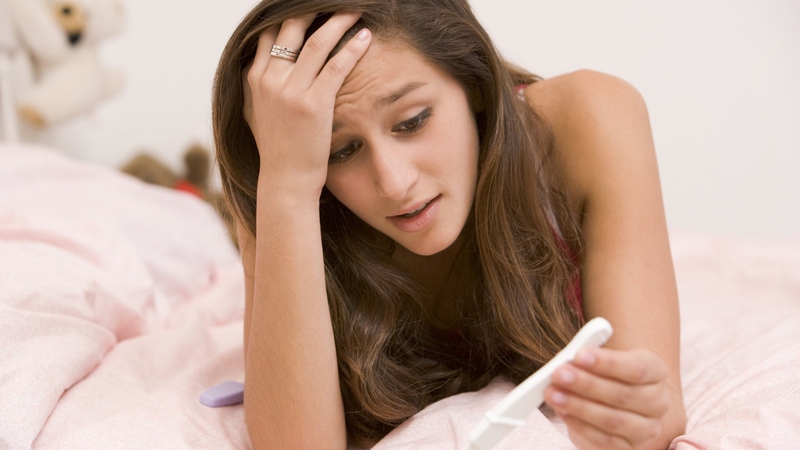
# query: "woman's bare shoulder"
557,96
593,116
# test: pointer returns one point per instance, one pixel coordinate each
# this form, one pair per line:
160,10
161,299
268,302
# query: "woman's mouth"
414,213
414,221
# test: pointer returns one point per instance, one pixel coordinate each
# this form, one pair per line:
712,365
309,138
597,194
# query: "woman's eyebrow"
396,95
386,101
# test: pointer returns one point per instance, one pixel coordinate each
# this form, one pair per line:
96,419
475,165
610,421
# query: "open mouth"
415,213
418,219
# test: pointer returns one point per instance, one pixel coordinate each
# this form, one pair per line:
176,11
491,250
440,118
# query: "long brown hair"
519,236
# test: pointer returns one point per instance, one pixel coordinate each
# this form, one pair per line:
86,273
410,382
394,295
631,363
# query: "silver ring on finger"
284,52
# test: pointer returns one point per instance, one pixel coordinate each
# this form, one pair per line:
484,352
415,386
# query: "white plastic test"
515,407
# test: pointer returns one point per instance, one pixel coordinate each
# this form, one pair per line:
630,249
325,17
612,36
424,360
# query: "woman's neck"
438,275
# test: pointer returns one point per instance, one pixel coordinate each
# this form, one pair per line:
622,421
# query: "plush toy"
9,45
58,73
197,161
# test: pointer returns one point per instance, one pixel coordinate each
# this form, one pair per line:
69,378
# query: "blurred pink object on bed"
121,302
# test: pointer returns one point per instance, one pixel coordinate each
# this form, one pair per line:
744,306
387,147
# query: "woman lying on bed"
417,216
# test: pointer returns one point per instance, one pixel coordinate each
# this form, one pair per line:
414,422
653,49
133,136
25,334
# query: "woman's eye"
415,123
344,154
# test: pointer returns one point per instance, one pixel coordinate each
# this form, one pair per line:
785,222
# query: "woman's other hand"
289,105
612,399
604,146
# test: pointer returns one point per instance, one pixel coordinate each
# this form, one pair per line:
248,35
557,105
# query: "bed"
120,302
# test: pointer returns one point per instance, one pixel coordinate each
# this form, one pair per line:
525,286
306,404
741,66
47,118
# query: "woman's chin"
428,246
424,251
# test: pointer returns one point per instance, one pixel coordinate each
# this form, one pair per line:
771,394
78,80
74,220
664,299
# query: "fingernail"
586,358
559,398
362,35
566,376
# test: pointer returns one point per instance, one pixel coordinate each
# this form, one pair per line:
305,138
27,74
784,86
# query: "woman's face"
404,151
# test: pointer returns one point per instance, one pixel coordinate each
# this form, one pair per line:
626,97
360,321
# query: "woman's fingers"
630,366
650,400
336,70
604,423
259,64
271,73
611,398
319,46
291,35
586,436
247,94
253,73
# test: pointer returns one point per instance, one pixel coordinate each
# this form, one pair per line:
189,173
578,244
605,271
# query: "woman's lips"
419,221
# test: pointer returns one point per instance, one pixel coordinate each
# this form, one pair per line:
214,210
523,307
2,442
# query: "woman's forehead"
386,72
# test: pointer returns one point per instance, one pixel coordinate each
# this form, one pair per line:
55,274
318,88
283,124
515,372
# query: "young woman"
417,216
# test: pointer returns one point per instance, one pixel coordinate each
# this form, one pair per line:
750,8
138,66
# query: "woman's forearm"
292,396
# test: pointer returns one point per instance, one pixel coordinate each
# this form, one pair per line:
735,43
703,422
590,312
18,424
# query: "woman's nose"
393,172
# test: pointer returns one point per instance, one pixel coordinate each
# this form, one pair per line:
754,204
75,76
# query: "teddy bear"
58,73
195,180
9,43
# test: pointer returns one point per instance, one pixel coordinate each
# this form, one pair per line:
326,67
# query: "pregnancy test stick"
517,405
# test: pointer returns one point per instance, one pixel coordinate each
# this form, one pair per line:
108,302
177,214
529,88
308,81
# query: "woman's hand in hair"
289,105
613,399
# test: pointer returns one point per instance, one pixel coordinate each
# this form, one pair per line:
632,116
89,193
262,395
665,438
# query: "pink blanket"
121,302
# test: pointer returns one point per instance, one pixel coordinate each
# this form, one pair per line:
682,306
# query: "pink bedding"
121,302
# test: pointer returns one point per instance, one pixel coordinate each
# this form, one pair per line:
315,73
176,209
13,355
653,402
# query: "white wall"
722,84
721,79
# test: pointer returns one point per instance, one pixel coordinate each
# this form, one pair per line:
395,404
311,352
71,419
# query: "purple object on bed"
223,394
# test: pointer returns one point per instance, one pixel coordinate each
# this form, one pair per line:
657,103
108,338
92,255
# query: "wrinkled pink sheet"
121,302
